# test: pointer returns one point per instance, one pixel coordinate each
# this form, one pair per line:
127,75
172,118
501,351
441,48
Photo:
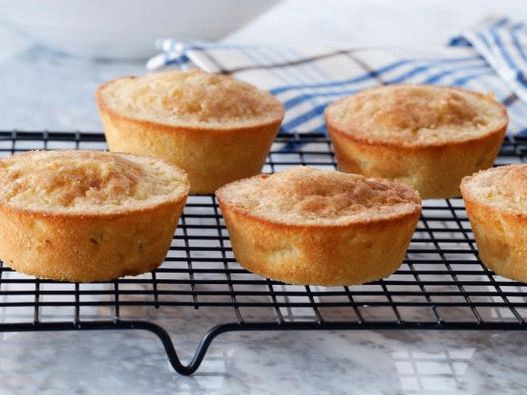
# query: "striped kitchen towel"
503,44
306,80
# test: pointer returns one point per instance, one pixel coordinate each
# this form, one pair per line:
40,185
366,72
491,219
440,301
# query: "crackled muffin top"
417,115
87,181
191,99
303,195
503,187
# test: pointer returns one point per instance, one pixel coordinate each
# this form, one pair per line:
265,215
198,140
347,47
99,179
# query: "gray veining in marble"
363,362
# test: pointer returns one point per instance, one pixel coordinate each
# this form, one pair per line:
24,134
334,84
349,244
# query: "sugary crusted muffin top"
87,181
503,187
191,98
417,115
303,195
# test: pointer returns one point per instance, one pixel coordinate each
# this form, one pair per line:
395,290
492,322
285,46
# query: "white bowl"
125,29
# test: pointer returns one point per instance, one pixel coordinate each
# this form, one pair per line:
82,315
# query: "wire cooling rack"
441,284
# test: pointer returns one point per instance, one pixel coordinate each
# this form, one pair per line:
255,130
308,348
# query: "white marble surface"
265,363
43,89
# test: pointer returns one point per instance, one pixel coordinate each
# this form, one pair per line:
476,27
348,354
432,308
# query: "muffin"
214,127
307,226
87,215
428,137
496,203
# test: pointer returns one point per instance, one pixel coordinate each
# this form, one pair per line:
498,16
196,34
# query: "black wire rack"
441,284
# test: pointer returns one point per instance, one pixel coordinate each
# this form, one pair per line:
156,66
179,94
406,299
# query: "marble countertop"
42,89
362,362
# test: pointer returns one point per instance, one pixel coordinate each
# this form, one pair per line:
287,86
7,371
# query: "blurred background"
127,29
54,53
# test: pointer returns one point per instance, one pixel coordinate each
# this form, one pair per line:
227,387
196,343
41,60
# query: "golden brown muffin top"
192,99
303,195
417,115
503,187
87,181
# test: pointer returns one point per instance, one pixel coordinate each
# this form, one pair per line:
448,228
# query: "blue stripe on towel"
360,78
517,44
383,70
506,56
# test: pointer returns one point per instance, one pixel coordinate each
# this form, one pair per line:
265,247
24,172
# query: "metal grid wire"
441,283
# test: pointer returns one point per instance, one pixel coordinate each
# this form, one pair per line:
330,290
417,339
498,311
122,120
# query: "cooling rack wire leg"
203,346
163,335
